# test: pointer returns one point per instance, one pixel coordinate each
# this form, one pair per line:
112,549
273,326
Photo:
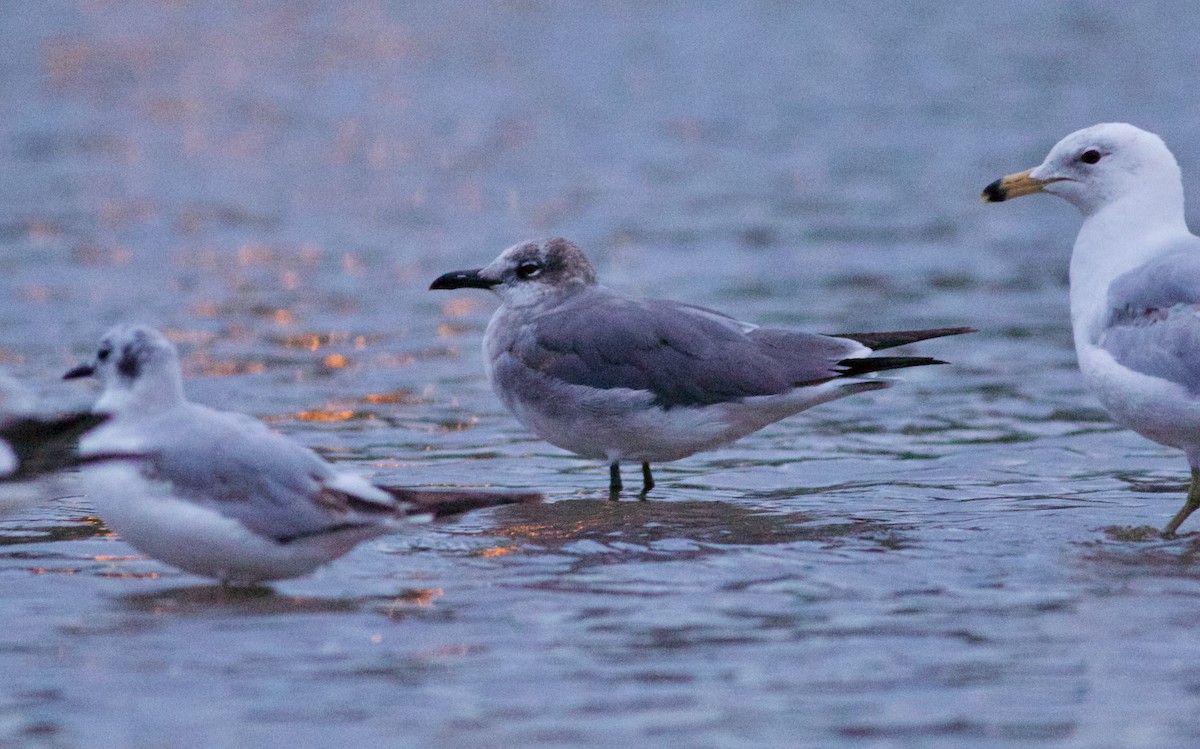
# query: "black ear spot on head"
128,365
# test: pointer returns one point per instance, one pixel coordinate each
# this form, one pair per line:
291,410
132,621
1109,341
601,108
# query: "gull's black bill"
83,370
462,279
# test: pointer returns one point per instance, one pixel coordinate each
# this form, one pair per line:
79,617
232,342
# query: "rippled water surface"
276,184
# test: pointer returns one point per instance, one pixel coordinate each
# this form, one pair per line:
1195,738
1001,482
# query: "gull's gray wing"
1154,319
1171,279
683,355
237,466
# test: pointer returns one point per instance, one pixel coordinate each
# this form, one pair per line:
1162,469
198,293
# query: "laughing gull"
218,493
1135,281
612,378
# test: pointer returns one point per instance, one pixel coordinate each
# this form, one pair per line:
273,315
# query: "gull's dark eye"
528,269
1090,156
102,354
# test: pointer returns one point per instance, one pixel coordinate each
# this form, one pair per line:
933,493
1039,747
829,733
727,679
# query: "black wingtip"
867,365
47,443
445,503
893,338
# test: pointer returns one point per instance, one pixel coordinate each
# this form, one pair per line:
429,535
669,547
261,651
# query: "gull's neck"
1116,238
148,396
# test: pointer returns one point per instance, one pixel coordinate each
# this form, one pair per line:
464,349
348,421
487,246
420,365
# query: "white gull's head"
138,369
1099,165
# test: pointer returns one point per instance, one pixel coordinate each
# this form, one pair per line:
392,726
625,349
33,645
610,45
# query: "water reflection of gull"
675,528
220,600
1135,281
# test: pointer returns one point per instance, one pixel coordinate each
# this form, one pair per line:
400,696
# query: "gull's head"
528,273
138,369
1096,166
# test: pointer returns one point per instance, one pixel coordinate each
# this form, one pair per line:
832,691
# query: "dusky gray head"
1098,165
138,368
528,273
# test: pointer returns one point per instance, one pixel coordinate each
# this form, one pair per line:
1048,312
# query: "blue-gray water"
277,183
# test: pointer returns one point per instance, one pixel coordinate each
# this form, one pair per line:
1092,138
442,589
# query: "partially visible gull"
35,448
218,493
613,378
1135,282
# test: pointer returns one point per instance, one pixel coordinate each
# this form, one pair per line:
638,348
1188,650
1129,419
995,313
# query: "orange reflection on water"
449,330
256,254
201,363
40,232
495,552
313,341
421,596
459,306
336,361
205,310
323,415
189,337
396,396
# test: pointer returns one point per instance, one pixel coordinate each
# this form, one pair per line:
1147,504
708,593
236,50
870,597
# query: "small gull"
218,493
1135,281
612,378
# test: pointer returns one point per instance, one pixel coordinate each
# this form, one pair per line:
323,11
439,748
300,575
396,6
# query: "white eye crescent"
529,269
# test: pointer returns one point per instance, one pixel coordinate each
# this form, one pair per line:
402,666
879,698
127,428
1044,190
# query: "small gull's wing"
1154,318
240,468
682,355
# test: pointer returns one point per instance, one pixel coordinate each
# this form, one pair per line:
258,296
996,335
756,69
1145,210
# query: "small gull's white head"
1099,165
138,368
528,273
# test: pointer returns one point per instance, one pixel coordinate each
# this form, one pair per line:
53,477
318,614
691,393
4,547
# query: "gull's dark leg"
1193,501
647,480
614,480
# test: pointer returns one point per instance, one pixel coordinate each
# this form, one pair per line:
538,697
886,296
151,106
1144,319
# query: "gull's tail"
443,503
43,444
891,339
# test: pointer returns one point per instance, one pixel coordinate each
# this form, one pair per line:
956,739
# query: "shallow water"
276,184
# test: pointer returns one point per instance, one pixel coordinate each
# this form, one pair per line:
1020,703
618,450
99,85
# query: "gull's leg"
1193,501
647,480
614,480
